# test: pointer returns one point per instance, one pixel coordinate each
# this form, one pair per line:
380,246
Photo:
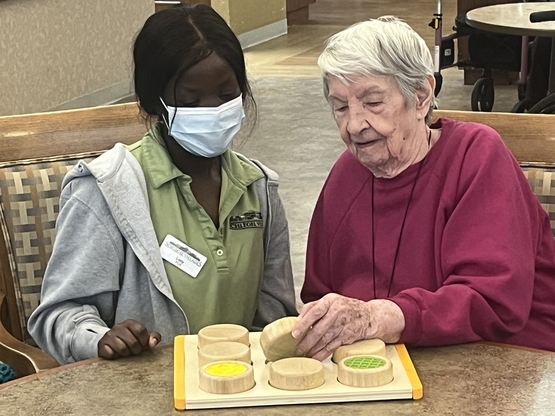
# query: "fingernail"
295,333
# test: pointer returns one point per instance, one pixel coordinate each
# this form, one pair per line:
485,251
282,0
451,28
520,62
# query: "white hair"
383,46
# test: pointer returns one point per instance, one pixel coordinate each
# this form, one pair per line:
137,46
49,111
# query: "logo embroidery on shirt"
249,219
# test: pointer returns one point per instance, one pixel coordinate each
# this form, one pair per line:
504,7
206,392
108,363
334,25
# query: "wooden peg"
224,351
226,377
365,371
365,347
296,373
276,339
222,333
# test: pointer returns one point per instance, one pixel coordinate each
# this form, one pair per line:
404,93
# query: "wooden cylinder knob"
296,373
222,333
366,347
224,351
276,340
226,377
365,371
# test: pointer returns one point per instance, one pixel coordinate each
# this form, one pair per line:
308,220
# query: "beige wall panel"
54,51
246,15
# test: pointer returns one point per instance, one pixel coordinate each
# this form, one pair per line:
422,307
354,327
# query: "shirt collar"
160,168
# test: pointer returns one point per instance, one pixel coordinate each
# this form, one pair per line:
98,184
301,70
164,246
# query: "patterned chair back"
531,139
542,180
37,152
29,205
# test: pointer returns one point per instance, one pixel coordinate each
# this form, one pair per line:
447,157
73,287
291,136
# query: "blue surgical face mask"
205,131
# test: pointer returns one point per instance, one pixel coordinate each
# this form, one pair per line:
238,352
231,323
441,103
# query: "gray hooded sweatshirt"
106,265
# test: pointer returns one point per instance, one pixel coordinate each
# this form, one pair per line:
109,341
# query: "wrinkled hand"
127,338
336,320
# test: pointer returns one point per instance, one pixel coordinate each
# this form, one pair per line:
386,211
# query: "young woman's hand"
127,338
336,320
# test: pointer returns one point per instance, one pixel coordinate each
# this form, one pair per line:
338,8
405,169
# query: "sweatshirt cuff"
84,344
413,319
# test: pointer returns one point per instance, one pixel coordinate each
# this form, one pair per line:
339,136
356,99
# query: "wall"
254,21
57,54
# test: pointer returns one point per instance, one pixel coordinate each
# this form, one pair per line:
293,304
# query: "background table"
514,19
471,379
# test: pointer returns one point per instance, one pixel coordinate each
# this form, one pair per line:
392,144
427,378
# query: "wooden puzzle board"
188,395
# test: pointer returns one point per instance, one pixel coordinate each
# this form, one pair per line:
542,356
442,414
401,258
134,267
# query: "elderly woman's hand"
337,320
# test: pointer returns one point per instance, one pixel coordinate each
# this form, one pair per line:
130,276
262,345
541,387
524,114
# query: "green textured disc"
364,363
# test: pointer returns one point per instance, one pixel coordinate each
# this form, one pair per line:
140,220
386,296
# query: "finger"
316,310
131,341
154,339
306,308
118,346
105,351
328,350
139,332
331,336
318,330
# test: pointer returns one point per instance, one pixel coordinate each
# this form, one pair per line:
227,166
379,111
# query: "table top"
512,19
477,379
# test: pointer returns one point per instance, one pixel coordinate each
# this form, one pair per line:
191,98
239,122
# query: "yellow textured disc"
226,369
226,377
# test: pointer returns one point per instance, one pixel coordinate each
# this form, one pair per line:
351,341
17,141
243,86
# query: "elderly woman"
422,234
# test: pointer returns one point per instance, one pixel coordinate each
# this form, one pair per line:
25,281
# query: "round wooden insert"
276,339
226,377
296,373
223,351
365,371
222,333
365,347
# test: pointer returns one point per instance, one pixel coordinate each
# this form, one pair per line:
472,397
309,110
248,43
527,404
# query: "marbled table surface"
471,379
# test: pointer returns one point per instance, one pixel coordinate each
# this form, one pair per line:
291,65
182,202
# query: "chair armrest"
23,358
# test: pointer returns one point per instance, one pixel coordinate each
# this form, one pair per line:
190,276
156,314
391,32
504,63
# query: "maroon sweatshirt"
476,258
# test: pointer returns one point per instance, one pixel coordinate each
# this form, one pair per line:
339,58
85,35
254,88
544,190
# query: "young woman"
175,232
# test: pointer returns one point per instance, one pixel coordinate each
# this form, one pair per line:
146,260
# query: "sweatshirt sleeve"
488,230
277,296
81,282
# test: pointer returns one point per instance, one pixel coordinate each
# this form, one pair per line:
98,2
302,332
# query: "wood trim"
23,358
9,313
69,132
530,137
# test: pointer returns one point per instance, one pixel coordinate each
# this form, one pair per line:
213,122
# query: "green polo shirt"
227,287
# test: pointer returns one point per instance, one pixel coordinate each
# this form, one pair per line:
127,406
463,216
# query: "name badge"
182,256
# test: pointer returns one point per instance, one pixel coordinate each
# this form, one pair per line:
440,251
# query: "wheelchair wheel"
544,106
439,83
483,95
520,107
